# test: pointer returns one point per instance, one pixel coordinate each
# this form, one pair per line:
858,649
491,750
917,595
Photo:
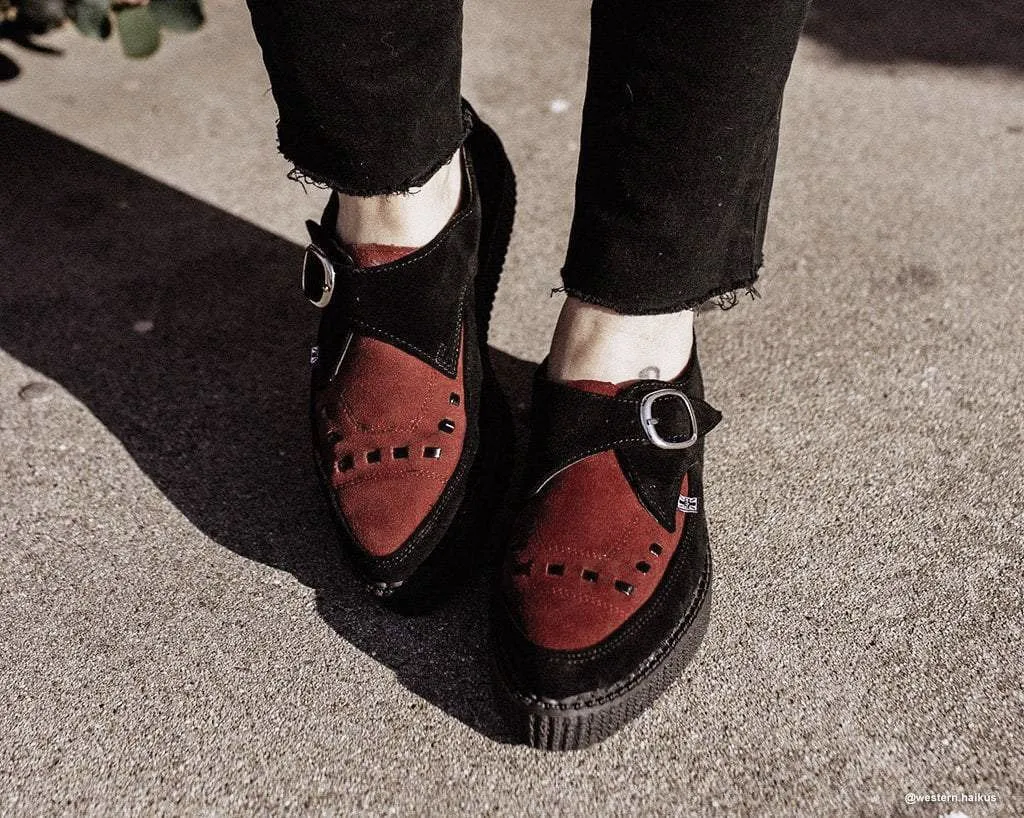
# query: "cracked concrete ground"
179,637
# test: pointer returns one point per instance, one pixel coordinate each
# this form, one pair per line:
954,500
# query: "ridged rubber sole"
580,721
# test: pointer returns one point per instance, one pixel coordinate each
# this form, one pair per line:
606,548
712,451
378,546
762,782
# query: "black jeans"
680,126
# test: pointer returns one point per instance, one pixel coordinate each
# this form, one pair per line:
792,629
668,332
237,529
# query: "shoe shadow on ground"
21,38
8,68
947,32
182,330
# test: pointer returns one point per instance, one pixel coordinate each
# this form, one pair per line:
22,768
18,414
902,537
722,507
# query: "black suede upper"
570,424
415,303
543,672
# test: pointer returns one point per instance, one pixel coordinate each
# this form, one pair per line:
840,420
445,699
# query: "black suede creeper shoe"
606,589
411,432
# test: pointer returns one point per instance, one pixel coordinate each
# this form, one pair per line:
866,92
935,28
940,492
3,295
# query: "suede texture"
594,581
572,423
373,255
588,673
391,407
390,439
385,380
380,416
563,571
415,303
677,151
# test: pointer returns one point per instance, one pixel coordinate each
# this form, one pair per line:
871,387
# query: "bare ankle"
595,343
408,219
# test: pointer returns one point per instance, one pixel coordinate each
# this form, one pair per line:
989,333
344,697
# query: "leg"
402,390
607,588
680,129
367,92
368,96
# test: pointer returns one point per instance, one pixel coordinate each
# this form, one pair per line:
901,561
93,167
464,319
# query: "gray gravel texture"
179,637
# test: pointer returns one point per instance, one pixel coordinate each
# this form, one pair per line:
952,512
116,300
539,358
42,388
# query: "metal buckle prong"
319,293
649,422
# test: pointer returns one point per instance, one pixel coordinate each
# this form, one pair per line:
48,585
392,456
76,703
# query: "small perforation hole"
432,452
447,426
623,587
333,437
345,463
643,567
373,457
400,452
556,569
589,575
454,399
655,549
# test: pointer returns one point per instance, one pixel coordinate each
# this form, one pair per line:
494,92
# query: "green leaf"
178,15
139,30
91,17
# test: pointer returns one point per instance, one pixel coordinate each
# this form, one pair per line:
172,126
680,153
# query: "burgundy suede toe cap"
591,557
389,432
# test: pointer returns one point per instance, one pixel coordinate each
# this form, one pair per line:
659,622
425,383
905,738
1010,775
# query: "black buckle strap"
654,427
415,303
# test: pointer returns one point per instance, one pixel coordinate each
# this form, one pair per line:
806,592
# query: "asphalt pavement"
179,636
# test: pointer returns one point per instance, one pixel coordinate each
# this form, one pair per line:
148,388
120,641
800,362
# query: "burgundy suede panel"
383,511
378,422
373,255
588,521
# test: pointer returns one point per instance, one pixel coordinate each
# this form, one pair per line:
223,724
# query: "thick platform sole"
577,722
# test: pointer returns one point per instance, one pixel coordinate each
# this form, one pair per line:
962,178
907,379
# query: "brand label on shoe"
314,355
687,505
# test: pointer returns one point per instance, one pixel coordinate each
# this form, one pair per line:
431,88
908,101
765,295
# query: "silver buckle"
319,291
649,422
